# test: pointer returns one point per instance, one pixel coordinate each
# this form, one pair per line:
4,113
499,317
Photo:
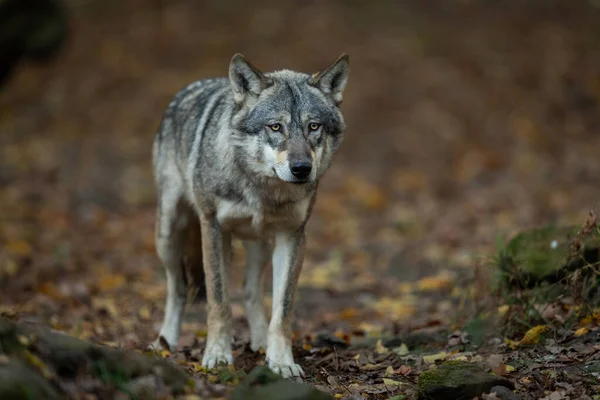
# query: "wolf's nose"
301,169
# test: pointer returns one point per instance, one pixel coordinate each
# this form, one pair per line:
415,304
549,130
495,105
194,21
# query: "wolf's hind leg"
258,254
171,226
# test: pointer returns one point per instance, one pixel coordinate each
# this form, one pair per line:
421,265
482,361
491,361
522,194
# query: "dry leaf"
404,370
111,282
581,332
430,359
380,348
401,350
531,337
18,247
391,382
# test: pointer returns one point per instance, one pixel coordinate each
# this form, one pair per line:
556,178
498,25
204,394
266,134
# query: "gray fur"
228,153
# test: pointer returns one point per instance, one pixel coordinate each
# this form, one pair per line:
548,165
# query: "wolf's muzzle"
301,169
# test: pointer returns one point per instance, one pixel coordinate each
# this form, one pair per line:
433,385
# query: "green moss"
457,380
447,374
536,254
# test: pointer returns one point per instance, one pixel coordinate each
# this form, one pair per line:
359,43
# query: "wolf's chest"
252,222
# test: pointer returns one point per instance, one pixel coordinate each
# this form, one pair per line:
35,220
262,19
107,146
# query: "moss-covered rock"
545,254
65,357
456,380
20,381
263,384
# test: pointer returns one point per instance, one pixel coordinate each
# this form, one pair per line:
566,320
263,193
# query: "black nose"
301,169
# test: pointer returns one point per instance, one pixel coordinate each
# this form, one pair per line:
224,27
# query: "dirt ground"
467,122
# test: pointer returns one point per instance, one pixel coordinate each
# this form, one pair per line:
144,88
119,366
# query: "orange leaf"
111,282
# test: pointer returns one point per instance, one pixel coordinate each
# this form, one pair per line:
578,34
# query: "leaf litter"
390,287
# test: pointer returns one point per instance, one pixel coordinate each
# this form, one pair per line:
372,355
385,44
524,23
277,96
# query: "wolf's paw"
217,354
258,337
161,344
286,370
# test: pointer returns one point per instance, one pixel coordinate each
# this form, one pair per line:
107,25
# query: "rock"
19,381
457,380
504,393
544,254
66,356
263,384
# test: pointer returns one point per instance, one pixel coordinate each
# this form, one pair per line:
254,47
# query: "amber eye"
275,127
313,126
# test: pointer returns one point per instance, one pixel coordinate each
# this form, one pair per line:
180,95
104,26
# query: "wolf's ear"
333,80
245,78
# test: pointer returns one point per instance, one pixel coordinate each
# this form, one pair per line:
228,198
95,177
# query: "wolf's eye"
313,126
275,127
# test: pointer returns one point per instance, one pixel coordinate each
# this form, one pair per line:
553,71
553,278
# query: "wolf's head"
287,125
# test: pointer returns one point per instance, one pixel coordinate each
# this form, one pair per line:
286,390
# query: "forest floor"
466,124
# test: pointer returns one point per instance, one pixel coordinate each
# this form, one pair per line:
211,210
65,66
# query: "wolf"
242,157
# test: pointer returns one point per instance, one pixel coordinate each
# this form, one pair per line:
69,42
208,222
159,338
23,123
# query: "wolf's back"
192,115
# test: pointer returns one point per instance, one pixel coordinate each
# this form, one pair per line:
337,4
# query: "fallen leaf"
18,247
430,359
380,348
389,371
38,364
50,290
502,310
391,382
401,350
144,313
111,282
404,370
496,363
581,332
165,353
433,283
531,337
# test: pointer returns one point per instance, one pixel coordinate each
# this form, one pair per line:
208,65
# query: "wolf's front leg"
216,250
287,263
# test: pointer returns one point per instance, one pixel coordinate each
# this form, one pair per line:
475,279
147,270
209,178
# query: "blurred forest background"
467,121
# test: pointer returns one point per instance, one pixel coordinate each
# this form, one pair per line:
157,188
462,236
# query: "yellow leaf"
39,364
201,333
197,367
391,382
338,396
144,313
389,371
165,353
502,310
111,282
50,290
401,350
581,332
509,368
10,268
18,247
105,304
591,319
430,359
24,340
380,348
350,314
533,335
438,282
